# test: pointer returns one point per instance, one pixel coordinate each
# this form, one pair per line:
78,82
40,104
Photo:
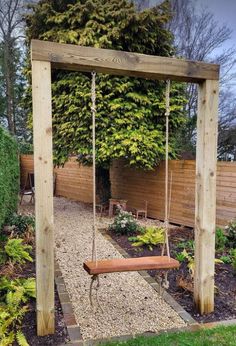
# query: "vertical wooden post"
205,212
43,168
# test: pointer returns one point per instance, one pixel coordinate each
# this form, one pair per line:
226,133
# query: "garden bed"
16,267
180,283
29,322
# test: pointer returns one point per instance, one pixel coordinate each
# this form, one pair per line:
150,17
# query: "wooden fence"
75,181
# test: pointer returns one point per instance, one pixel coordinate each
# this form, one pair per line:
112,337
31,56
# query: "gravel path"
129,304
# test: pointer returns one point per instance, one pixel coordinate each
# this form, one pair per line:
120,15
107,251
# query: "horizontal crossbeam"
79,58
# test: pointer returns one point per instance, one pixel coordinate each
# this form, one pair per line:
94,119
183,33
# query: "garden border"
74,329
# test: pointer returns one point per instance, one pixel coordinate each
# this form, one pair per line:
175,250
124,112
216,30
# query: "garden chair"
28,189
101,206
142,211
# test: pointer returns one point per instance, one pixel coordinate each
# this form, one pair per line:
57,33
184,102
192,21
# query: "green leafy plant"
125,223
21,222
231,234
151,236
189,244
226,259
190,259
26,286
13,296
180,256
221,239
233,258
11,316
17,251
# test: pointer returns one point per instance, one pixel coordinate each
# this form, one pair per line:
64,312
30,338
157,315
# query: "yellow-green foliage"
17,251
13,296
9,175
151,236
130,111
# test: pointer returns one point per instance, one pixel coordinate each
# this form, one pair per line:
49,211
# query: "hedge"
9,175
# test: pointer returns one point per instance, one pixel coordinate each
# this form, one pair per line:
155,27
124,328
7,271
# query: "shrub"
221,239
231,234
124,223
21,222
9,175
151,236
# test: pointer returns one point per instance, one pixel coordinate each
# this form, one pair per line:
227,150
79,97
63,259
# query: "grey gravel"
129,305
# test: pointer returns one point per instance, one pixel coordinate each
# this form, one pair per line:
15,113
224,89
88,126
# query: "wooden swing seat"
130,264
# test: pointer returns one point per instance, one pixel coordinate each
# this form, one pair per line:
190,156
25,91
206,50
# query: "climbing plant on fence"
9,175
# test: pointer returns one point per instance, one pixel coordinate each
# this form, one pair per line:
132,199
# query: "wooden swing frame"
48,55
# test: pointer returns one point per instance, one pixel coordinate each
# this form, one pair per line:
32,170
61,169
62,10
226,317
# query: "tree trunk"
9,87
103,184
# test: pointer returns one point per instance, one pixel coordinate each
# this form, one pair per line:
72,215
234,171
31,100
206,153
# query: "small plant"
17,251
21,222
231,234
26,287
189,244
11,315
124,223
221,240
13,296
180,256
233,259
226,259
151,236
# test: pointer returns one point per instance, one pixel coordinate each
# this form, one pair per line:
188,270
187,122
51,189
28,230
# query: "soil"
225,278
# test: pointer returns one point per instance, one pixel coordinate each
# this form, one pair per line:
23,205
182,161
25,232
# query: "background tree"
198,36
10,61
130,111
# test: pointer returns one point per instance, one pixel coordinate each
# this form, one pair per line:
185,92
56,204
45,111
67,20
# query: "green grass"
220,336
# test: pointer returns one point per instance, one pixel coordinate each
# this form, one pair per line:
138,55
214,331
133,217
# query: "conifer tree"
130,111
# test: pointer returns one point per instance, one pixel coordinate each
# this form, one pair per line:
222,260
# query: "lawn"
220,336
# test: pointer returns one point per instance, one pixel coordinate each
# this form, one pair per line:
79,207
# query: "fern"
17,251
29,287
21,339
7,340
26,287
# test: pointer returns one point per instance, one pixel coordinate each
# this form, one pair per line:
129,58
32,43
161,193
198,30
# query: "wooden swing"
96,267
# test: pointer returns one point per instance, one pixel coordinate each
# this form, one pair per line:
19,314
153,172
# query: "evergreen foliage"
9,176
130,111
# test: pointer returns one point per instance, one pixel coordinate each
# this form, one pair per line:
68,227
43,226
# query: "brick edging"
69,318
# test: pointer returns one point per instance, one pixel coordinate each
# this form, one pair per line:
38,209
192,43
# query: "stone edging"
74,330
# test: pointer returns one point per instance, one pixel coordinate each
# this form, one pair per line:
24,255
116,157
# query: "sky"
224,11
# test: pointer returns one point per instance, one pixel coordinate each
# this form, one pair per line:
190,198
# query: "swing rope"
93,110
167,192
172,263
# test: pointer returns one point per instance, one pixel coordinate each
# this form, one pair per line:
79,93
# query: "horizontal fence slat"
74,181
